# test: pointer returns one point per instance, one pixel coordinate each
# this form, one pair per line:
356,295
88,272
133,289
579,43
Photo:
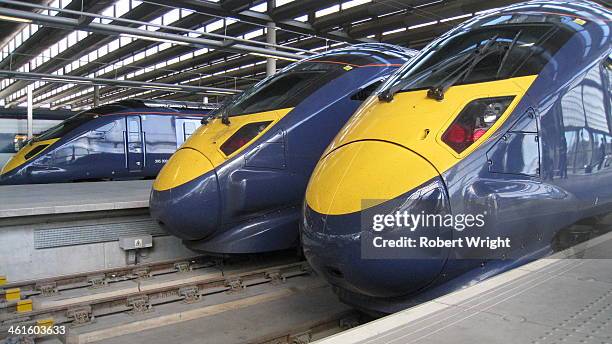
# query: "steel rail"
315,330
186,290
53,285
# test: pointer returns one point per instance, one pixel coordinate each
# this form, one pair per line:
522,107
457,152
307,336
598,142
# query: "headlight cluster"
243,136
474,121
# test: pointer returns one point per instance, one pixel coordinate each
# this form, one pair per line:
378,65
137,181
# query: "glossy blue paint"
547,169
108,148
261,189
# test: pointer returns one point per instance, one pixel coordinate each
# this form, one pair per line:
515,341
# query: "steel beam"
78,50
118,30
262,19
200,61
44,38
132,22
69,79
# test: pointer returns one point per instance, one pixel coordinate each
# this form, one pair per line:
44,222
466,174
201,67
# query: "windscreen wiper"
222,112
491,47
206,119
505,58
387,95
225,117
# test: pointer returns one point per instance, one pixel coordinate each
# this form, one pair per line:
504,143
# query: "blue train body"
119,141
544,168
228,194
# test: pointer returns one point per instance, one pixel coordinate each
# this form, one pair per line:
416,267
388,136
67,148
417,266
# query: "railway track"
100,278
77,300
309,332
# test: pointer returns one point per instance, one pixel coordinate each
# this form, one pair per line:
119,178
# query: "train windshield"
288,88
79,119
65,127
493,48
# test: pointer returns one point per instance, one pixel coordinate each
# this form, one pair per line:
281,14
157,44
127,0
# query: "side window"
134,134
133,126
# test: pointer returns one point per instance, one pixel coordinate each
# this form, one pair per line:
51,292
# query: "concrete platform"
46,199
555,300
58,229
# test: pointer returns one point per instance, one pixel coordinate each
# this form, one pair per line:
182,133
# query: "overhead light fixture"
275,57
15,19
154,39
221,92
162,88
68,81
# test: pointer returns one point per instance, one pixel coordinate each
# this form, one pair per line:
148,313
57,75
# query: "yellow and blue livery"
236,186
504,122
124,140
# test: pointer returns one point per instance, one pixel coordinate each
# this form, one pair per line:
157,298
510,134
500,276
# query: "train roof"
131,106
385,53
576,8
381,48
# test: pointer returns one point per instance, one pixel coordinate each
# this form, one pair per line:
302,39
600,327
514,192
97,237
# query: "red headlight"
474,121
243,136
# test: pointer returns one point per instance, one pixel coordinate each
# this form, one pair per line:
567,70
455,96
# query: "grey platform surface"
44,199
555,300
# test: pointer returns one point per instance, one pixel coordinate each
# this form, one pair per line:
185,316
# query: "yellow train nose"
184,166
363,174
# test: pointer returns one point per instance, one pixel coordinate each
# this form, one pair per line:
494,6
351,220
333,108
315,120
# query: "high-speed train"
475,157
125,140
236,186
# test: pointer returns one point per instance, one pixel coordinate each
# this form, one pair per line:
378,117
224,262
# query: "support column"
271,38
30,112
96,100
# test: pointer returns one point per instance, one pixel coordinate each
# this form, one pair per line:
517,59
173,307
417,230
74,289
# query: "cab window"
507,48
65,127
288,88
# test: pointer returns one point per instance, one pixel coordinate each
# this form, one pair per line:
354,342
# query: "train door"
135,145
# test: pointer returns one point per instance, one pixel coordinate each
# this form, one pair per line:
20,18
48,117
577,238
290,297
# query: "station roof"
85,49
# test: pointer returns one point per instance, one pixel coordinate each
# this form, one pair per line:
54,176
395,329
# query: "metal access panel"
136,242
518,150
89,234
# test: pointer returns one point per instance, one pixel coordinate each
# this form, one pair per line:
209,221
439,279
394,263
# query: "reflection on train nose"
337,231
185,165
365,173
351,261
185,197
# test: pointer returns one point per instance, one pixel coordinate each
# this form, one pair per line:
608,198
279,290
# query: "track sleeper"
80,315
